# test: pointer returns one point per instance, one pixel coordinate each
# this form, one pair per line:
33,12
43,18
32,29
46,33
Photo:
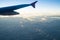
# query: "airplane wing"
11,8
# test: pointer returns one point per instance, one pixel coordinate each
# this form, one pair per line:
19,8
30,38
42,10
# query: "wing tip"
33,4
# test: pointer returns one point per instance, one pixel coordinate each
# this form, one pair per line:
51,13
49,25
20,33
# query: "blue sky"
44,7
41,3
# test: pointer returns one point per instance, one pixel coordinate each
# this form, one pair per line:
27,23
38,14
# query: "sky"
43,7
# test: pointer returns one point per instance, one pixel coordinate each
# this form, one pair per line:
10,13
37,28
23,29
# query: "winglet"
33,4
